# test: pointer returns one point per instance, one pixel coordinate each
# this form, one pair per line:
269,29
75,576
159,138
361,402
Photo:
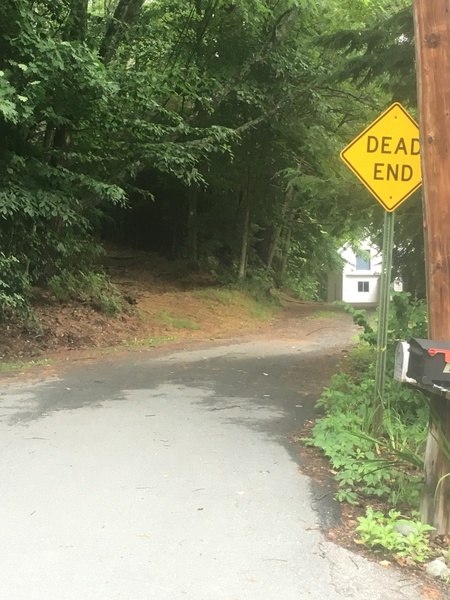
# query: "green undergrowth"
406,539
15,289
384,471
94,289
388,468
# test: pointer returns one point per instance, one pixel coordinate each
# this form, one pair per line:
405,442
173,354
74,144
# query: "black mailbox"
429,362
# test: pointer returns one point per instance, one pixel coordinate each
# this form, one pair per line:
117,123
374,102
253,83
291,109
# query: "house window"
363,286
363,262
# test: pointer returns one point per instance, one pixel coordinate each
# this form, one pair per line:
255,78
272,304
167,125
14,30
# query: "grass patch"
224,296
150,341
257,309
14,366
261,312
176,322
327,312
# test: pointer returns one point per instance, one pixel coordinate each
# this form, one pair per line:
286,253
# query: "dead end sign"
386,157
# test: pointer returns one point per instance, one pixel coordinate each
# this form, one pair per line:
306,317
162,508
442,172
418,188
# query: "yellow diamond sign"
386,157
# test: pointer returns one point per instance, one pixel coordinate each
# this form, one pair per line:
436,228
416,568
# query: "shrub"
389,467
94,289
402,537
14,289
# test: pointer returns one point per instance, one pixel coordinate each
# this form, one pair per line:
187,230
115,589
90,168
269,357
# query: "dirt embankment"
162,305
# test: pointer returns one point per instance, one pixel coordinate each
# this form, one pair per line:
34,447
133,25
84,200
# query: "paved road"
172,476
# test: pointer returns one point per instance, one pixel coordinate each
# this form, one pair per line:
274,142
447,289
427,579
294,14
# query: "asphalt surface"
173,476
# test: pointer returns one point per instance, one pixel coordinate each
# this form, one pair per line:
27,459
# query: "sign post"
383,320
386,159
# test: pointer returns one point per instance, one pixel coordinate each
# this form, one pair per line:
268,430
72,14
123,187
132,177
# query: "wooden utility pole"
432,35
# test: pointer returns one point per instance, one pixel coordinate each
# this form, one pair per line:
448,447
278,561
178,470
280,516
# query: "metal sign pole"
383,320
386,159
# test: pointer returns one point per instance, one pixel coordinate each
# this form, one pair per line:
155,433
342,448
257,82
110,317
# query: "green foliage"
14,288
407,318
377,51
75,131
94,289
409,253
259,285
305,287
381,49
50,182
389,467
379,531
360,360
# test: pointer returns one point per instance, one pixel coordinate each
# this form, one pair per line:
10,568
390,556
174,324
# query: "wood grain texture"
432,33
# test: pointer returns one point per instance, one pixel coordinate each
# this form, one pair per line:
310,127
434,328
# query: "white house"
358,282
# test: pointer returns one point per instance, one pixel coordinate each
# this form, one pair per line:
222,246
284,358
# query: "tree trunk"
192,223
278,229
274,245
125,14
285,247
75,30
245,231
76,25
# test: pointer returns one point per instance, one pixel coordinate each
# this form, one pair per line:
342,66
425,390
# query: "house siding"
356,286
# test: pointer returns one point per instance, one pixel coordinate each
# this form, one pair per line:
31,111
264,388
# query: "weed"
151,341
326,313
9,367
389,467
360,360
222,296
404,538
